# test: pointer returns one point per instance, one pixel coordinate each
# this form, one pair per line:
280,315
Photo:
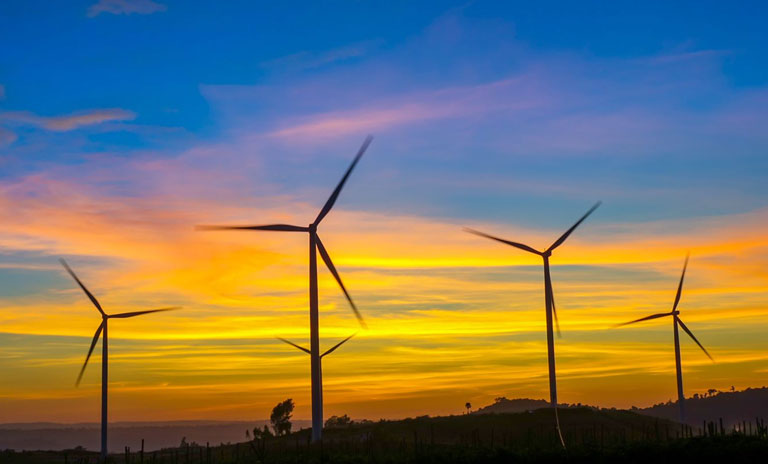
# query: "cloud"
308,60
6,137
67,122
424,287
512,94
126,7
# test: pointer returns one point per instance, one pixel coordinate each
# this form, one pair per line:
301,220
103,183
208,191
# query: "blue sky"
125,122
658,78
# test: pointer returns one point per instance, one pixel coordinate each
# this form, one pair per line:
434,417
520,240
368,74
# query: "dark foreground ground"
590,435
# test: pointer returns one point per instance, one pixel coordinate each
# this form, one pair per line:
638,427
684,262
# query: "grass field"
591,436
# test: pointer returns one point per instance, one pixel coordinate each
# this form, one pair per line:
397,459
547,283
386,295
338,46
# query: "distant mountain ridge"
732,407
57,436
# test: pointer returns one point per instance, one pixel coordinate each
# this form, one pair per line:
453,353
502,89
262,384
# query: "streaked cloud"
512,94
67,122
309,60
125,7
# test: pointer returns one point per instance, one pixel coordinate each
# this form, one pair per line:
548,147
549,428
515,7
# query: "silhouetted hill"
505,406
732,407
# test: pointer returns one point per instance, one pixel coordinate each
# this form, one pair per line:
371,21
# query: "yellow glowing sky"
452,317
123,126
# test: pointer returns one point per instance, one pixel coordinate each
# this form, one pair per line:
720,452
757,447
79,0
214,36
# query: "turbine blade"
294,345
332,199
273,227
90,295
554,311
337,345
690,334
93,345
327,258
655,316
514,244
568,232
680,285
139,313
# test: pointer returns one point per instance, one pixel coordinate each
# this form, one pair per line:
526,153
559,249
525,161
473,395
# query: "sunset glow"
479,122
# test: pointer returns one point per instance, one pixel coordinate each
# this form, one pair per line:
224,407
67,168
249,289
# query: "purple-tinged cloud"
67,122
125,7
309,60
513,94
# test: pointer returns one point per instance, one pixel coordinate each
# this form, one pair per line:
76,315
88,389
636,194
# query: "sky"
124,123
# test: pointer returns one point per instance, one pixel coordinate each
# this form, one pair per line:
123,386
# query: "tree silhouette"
281,417
338,422
261,434
468,406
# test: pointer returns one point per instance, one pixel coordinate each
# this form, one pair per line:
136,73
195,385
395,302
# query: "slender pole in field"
314,340
104,386
679,371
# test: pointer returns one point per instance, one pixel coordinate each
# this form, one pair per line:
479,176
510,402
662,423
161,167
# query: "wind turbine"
549,302
676,321
315,245
104,346
326,353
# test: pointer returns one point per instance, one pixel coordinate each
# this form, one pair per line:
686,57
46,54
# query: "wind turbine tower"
549,303
676,322
102,331
315,246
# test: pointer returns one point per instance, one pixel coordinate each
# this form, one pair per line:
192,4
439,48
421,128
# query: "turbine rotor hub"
313,227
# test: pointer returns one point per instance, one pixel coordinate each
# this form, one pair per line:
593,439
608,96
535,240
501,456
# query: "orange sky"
123,124
452,317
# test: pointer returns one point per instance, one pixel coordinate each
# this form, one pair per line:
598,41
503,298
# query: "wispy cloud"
125,7
67,122
308,60
513,94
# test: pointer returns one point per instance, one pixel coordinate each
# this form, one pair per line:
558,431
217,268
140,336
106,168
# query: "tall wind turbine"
104,358
315,245
549,302
676,321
